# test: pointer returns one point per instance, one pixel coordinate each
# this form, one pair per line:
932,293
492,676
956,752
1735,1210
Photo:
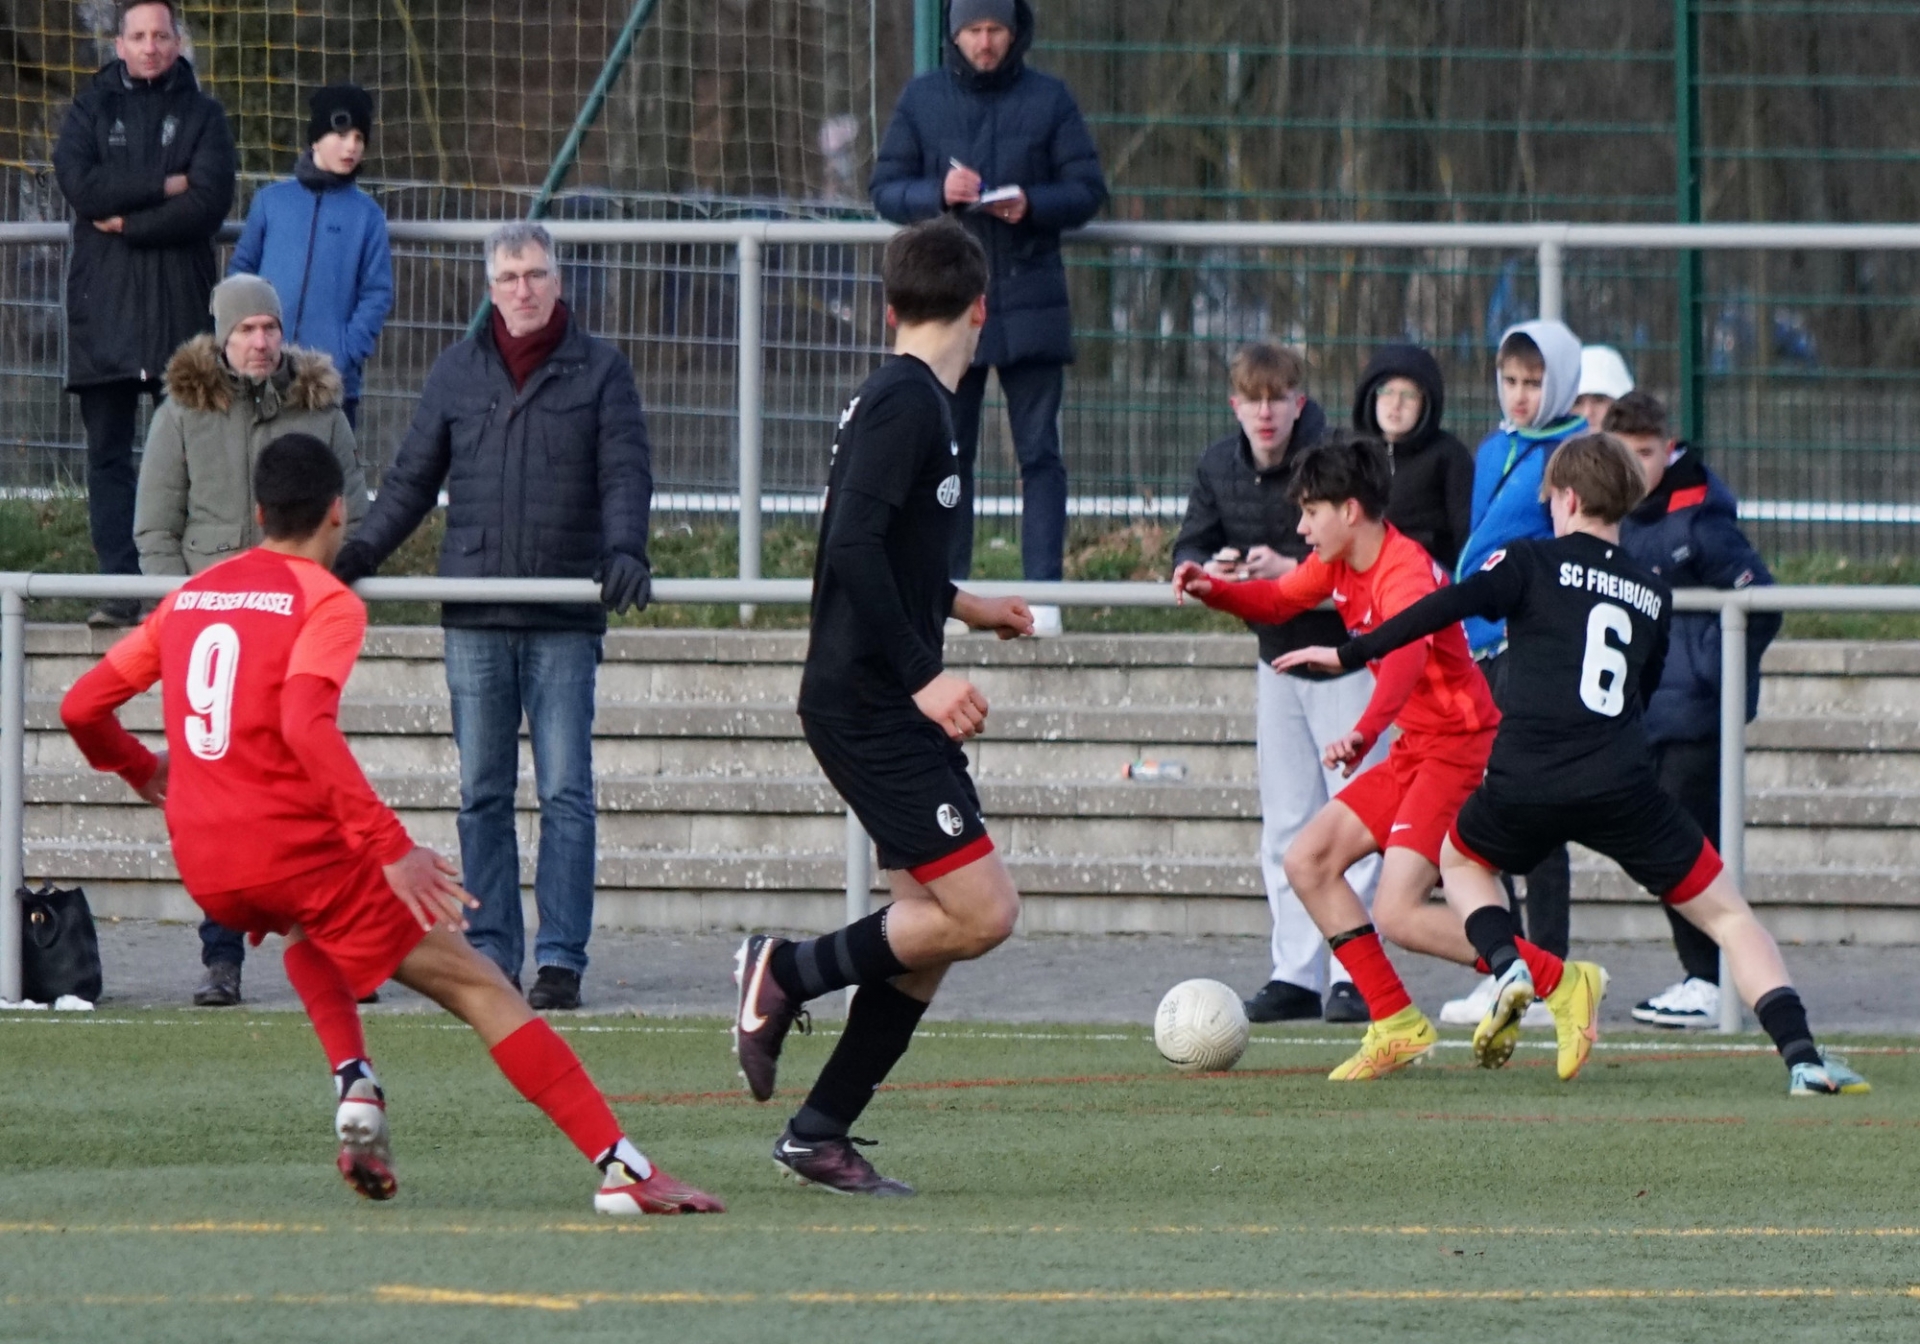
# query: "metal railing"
751,281
16,589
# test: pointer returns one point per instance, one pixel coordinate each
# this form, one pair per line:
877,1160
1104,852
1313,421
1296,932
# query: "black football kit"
881,598
1587,629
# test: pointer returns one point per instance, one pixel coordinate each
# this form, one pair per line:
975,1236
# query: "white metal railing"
17,588
749,237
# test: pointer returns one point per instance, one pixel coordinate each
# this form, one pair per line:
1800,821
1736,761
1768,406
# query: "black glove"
625,582
354,563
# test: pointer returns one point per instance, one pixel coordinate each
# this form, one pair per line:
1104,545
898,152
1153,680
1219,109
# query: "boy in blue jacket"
1687,531
1537,372
322,242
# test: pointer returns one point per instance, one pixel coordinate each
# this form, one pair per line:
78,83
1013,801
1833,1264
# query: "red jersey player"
1400,808
276,830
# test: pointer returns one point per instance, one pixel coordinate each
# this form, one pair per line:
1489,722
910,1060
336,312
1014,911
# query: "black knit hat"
341,107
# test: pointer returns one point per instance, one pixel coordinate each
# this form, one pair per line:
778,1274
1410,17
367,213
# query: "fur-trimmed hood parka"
194,507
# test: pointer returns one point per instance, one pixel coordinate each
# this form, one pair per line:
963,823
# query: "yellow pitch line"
714,1227
427,1296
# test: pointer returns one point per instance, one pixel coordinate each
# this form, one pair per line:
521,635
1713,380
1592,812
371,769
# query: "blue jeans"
1033,393
494,676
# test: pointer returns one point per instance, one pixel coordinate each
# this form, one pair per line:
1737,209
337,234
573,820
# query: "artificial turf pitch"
168,1176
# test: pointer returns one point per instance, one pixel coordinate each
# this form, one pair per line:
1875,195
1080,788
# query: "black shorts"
908,785
1642,829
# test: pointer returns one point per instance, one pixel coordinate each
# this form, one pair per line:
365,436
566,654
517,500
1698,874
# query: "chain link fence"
1796,370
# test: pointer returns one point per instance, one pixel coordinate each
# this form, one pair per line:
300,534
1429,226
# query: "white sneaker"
1467,1012
1046,622
1691,1003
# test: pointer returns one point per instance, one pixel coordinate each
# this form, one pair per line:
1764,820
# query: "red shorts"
345,908
1410,799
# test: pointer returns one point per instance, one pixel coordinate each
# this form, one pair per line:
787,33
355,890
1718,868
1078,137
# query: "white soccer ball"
1201,1026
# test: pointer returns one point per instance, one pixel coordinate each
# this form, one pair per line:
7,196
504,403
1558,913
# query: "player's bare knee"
1309,867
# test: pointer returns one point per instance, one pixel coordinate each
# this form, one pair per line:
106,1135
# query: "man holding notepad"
1005,148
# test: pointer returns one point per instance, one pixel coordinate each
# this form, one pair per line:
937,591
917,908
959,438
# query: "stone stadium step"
713,812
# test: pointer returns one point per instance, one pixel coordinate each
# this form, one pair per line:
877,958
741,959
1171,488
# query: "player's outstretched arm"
89,710
1008,617
1265,601
1491,593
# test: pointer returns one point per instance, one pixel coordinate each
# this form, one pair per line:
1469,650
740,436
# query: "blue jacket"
1687,532
1510,462
1017,128
542,482
321,242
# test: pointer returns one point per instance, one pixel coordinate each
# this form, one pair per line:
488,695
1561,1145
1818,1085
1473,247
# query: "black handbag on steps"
59,950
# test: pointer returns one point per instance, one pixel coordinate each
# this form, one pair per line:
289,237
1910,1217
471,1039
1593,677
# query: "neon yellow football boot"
1575,1005
1389,1046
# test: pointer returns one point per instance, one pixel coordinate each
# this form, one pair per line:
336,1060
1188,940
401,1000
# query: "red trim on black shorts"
1453,838
960,858
1699,877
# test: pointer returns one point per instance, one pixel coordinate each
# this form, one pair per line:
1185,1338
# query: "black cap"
341,107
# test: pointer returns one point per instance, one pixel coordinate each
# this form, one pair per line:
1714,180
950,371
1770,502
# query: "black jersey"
1587,634
881,595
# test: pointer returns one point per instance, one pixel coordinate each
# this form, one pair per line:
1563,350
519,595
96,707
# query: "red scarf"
525,354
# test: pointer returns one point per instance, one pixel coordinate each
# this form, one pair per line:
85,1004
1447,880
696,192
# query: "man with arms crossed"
885,719
1588,628
276,830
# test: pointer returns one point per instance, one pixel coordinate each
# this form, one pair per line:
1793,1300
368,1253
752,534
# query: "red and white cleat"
624,1194
366,1155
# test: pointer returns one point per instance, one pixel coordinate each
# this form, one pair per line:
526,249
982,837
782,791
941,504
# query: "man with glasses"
535,430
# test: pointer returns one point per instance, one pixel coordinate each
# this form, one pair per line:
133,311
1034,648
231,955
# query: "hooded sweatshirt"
1510,463
1432,495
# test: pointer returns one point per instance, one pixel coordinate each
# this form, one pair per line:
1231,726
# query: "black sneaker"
116,614
1344,1004
221,988
763,1016
1280,1001
836,1165
555,989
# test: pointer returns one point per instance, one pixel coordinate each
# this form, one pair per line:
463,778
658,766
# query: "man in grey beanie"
1005,148
229,395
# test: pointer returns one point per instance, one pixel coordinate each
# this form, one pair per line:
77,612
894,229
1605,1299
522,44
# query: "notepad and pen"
988,195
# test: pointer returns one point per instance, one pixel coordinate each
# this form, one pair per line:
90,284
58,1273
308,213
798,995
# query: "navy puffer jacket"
1016,127
1687,531
541,484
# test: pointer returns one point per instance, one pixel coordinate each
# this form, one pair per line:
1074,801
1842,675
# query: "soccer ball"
1201,1027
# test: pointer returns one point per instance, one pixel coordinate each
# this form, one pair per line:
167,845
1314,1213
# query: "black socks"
1784,1018
855,955
1490,930
879,1028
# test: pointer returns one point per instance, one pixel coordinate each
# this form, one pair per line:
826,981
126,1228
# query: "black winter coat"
1017,128
1236,504
1688,532
1432,496
135,297
541,484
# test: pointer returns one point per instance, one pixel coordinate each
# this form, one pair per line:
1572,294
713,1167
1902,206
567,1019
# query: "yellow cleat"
1389,1046
1575,1005
1499,1031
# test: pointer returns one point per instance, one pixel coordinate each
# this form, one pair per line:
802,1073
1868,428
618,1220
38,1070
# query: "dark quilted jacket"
1017,128
135,297
1235,504
540,484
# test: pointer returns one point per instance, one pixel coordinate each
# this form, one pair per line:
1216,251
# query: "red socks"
1544,967
329,1003
1373,975
544,1070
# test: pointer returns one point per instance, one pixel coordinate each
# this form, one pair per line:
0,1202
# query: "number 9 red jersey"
250,656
